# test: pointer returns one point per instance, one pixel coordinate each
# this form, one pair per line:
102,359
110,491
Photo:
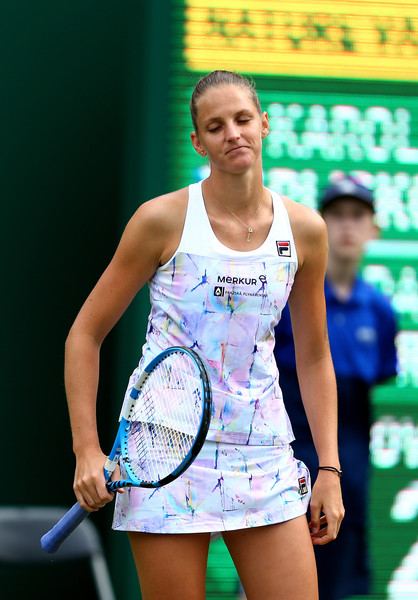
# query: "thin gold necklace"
249,229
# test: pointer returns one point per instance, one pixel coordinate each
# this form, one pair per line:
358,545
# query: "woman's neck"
240,212
240,193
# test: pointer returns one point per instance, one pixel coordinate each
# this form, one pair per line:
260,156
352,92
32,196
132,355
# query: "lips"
348,242
237,148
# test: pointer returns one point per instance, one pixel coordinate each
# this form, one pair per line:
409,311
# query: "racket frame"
117,450
53,539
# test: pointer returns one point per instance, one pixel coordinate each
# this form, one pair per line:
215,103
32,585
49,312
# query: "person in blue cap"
362,328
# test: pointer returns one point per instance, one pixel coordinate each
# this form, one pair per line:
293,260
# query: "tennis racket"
162,428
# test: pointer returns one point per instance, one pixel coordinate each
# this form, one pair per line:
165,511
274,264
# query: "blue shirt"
361,333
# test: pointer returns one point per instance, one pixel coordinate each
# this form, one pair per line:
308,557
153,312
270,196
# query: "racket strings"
165,419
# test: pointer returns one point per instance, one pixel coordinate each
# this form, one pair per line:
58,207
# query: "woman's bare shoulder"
160,216
158,224
306,223
165,210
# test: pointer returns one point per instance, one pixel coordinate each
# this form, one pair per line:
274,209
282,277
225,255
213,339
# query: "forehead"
347,204
223,98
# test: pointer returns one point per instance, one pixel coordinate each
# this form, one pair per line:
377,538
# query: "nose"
232,132
349,221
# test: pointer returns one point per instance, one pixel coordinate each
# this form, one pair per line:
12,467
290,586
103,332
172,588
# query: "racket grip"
53,539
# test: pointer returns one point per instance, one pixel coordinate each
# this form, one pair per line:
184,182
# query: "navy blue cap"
347,187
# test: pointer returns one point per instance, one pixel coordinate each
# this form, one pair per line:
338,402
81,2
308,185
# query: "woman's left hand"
327,510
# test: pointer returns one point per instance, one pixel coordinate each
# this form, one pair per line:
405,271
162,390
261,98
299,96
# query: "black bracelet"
333,469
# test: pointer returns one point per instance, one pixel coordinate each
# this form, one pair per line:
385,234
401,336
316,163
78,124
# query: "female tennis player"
221,258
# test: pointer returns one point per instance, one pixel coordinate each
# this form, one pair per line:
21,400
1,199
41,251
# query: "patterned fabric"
225,304
228,487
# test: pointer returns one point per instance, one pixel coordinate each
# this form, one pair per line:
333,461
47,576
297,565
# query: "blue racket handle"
53,539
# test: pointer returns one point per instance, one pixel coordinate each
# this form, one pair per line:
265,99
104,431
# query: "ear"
196,144
265,125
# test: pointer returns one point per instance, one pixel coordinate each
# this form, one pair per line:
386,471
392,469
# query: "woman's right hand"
89,481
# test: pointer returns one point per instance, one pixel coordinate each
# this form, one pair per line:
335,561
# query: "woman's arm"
314,366
150,239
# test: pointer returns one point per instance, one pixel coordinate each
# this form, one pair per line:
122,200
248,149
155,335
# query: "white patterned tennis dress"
225,304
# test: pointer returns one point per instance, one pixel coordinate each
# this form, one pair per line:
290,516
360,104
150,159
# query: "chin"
351,255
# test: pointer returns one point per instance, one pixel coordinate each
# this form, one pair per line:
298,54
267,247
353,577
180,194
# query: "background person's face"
350,225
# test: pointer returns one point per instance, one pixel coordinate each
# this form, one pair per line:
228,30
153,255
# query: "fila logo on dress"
283,248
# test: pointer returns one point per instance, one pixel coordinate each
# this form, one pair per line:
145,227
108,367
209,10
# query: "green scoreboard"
339,81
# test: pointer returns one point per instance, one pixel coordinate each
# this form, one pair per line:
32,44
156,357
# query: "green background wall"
82,105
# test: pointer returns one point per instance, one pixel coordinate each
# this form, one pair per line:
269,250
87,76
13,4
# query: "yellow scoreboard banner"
359,39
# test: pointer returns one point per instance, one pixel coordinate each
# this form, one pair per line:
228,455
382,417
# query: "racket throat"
109,467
